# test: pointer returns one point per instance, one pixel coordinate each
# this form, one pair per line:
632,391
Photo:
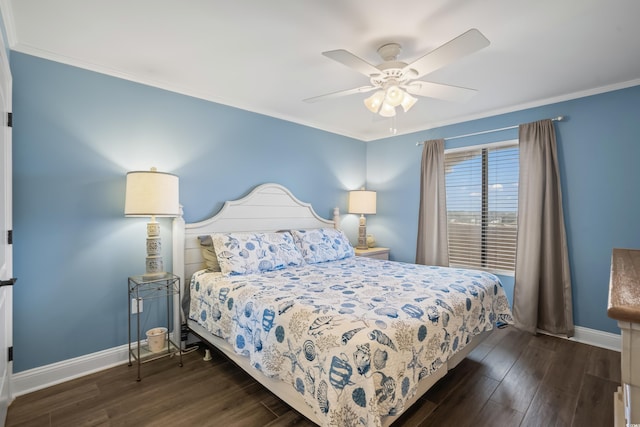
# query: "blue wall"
76,134
599,160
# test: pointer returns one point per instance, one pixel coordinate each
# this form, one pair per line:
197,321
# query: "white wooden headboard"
269,207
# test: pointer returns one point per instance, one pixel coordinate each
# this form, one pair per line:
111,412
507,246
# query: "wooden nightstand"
377,253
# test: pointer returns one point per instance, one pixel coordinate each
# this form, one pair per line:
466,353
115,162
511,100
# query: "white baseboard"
56,373
45,376
598,338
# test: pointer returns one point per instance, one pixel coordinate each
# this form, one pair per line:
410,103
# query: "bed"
344,340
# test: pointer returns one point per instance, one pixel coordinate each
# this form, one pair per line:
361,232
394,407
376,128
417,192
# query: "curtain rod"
554,119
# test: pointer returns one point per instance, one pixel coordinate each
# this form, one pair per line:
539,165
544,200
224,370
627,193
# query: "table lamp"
362,202
152,194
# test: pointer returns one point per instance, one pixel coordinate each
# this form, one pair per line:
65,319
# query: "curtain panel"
542,290
432,246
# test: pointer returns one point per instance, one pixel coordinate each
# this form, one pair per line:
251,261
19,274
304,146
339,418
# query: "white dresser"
624,306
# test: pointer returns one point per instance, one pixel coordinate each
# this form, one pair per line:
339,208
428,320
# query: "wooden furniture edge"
624,286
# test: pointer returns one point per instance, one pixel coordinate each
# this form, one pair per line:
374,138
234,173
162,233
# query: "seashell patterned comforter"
354,336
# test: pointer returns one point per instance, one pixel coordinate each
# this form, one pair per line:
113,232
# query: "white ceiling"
265,56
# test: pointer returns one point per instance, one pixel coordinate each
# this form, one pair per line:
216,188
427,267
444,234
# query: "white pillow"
322,244
246,253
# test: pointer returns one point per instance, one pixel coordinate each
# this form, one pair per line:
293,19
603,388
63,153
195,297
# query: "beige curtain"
433,247
542,292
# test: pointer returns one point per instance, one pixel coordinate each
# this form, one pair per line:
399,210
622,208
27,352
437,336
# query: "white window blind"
482,206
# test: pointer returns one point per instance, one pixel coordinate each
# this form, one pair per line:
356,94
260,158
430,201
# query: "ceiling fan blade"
440,91
463,45
350,60
340,93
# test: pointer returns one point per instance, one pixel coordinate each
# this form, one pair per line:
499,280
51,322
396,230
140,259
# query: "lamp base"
155,268
362,237
154,264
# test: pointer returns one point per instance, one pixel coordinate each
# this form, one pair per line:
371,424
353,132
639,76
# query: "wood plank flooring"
512,379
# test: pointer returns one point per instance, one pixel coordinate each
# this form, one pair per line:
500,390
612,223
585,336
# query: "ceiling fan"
396,81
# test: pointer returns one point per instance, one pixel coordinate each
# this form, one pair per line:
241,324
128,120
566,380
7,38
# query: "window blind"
482,206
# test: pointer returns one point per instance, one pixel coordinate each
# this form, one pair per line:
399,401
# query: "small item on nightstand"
371,241
157,338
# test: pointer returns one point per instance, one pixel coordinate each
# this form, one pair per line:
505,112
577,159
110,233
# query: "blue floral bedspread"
352,336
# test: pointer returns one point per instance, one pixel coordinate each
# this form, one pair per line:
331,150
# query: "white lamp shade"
407,102
362,202
374,102
151,193
387,110
394,96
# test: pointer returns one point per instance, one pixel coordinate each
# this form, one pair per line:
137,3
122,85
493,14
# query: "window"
482,206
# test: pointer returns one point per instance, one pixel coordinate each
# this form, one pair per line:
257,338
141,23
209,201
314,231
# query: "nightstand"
147,293
377,253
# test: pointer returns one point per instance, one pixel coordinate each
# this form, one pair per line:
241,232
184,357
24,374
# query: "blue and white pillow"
246,253
322,244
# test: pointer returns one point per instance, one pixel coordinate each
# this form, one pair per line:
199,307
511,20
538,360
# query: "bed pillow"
246,253
322,244
209,253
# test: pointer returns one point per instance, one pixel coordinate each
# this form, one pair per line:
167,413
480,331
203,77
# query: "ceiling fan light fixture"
395,81
374,102
387,110
408,101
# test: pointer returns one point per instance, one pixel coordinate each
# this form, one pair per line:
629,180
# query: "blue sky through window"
464,181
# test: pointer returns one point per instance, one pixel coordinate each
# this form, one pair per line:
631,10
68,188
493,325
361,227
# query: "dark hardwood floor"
512,379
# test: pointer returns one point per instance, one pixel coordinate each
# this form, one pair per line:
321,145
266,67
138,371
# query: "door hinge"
9,237
10,120
10,354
